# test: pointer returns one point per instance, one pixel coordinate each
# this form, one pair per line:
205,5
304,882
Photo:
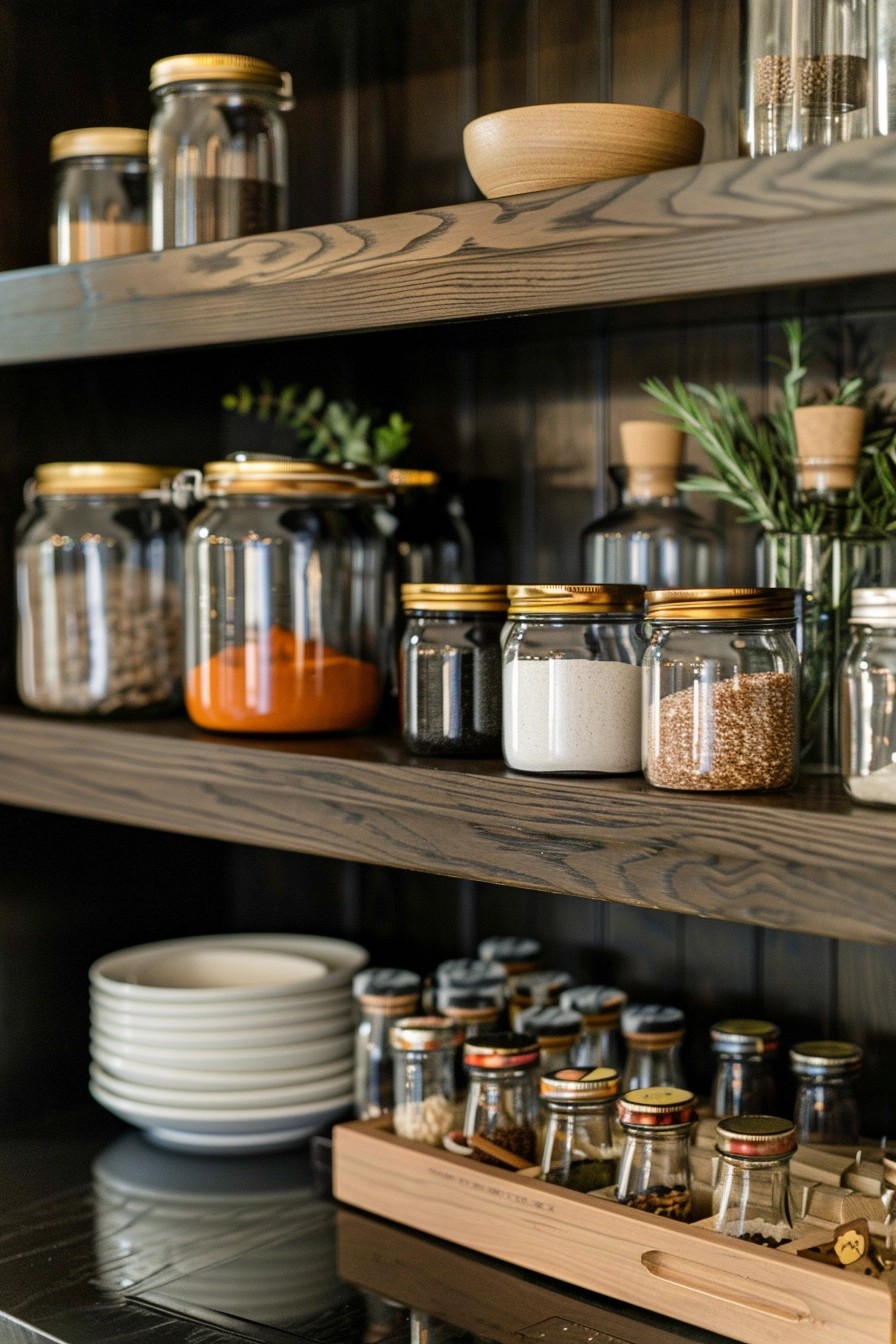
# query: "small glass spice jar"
287,586
653,1033
868,699
100,206
502,1097
556,1030
826,1109
751,1190
536,989
600,1043
423,1052
745,1050
382,995
450,668
581,1144
99,571
474,1009
217,148
519,956
721,689
572,683
654,1168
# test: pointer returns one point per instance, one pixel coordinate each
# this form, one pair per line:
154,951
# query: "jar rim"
263,475
457,597
213,67
721,604
531,599
99,478
85,141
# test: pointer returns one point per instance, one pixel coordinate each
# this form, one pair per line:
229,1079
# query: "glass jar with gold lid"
450,668
99,566
721,689
100,198
572,681
288,578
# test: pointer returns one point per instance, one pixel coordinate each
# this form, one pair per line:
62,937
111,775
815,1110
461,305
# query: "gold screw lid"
213,65
580,1085
737,1035
657,1106
757,1136
721,604
584,599
124,141
425,1033
827,1058
287,476
99,478
471,597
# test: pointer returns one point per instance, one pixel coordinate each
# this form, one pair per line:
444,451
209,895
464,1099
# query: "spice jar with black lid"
751,1190
721,683
450,668
745,1050
599,1043
556,1030
502,1098
653,1033
581,1142
423,1053
382,995
654,1168
826,1109
100,198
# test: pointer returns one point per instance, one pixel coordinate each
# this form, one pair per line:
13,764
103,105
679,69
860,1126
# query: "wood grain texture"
809,218
363,798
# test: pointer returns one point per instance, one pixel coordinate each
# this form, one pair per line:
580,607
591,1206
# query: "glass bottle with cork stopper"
652,537
826,1109
581,1144
518,955
653,1033
502,1099
745,1049
423,1052
557,1030
751,1191
654,1168
600,1043
382,995
537,989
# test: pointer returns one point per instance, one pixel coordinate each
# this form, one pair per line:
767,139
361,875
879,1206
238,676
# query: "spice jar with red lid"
751,1191
502,1101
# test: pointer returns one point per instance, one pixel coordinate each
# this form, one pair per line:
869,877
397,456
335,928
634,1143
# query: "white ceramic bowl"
227,1013
176,1038
216,1080
241,1098
237,1121
120,973
251,1060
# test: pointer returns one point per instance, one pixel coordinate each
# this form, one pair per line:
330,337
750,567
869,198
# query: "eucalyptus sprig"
332,431
755,457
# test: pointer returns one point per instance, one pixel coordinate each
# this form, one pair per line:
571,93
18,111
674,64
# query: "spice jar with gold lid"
751,1190
745,1049
99,569
100,199
581,1142
826,1109
721,688
654,1168
287,585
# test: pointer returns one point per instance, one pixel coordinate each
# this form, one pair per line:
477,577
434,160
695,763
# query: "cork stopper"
652,451
828,443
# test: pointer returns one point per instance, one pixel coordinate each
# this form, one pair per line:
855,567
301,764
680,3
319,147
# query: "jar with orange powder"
287,607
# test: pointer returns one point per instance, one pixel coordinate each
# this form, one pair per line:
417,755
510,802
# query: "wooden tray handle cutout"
726,1287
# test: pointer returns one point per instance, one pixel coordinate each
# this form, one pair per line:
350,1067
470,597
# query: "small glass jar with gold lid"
100,197
572,681
721,686
99,568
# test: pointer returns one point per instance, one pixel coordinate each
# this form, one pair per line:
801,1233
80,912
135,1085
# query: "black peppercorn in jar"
100,206
751,1190
450,668
654,1169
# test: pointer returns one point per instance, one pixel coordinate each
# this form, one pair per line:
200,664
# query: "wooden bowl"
563,144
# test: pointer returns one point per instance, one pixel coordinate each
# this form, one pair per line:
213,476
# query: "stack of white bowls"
235,1043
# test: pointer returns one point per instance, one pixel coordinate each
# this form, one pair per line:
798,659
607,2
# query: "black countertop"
105,1237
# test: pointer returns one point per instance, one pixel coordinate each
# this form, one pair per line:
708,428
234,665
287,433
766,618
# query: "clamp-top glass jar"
721,689
868,699
100,206
744,1048
826,1109
99,568
217,148
581,1142
287,584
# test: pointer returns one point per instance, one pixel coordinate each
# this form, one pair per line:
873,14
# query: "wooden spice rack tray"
684,1271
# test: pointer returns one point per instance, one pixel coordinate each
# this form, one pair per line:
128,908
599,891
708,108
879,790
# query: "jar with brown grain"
502,1096
100,198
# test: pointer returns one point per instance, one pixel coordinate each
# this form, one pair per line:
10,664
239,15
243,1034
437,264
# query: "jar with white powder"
572,680
868,699
425,1100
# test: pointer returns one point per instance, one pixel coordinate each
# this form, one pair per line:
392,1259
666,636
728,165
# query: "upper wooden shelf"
807,860
817,217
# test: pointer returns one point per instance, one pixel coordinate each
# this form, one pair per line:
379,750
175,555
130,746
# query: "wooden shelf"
817,217
807,860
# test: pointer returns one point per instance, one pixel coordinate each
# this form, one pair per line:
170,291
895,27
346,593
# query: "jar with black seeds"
450,668
751,1190
654,1169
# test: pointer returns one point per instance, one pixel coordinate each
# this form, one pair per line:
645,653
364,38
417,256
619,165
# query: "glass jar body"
751,1199
450,671
826,1111
374,1067
652,1066
100,605
868,716
433,542
424,1094
805,74
654,1171
597,1047
502,1105
721,708
572,694
743,1085
100,207
218,162
286,603
581,1145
